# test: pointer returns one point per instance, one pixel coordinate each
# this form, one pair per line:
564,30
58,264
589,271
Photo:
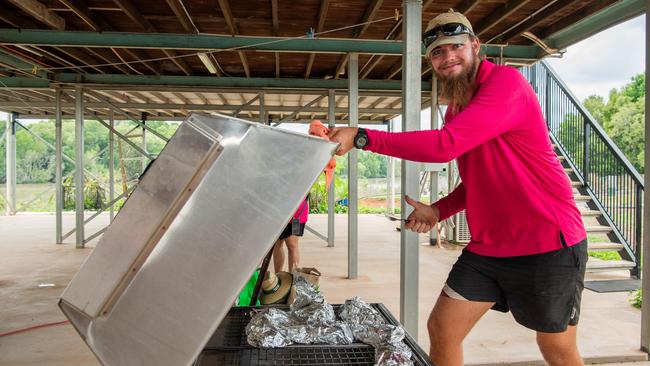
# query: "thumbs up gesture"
423,217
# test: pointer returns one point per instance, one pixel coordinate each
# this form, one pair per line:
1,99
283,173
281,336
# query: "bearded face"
455,66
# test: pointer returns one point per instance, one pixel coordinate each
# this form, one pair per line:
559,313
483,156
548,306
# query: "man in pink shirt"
528,249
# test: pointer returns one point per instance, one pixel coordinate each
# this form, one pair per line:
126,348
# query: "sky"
604,61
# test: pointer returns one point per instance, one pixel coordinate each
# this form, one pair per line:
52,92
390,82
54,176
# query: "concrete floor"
34,271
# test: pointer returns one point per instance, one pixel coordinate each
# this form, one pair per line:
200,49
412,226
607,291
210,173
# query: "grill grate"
294,355
228,346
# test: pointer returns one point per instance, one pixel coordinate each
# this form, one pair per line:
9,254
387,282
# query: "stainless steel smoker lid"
169,267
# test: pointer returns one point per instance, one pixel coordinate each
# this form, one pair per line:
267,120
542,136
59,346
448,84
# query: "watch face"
362,141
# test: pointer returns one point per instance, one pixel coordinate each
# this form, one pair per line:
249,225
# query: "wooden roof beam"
370,13
99,55
373,61
80,58
40,12
88,16
498,16
322,14
466,6
132,12
533,20
183,16
230,21
574,17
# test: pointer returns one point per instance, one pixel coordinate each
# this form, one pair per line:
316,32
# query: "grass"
609,255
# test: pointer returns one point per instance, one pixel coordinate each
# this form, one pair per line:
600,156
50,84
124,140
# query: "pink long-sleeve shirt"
517,197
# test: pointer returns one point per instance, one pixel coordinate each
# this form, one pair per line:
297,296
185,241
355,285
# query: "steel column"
411,64
79,166
353,176
262,110
645,280
143,118
11,164
331,192
58,156
433,182
111,164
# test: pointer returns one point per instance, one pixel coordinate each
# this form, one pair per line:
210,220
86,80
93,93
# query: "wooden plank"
497,16
40,12
183,16
322,15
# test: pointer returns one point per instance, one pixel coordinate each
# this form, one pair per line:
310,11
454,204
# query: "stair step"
561,157
576,184
598,265
598,229
581,198
568,170
590,213
595,247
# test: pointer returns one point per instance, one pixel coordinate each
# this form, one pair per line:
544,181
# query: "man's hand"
423,217
345,137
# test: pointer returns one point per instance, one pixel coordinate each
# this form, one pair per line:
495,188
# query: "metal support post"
645,280
11,164
433,182
79,166
353,176
143,118
58,156
262,110
411,86
111,164
586,137
331,192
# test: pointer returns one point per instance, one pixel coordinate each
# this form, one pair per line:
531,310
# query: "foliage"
94,194
606,255
318,195
622,118
636,298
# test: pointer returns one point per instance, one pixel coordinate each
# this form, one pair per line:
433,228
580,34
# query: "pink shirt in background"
517,197
302,212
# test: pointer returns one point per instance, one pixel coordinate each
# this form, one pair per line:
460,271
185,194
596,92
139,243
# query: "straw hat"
275,288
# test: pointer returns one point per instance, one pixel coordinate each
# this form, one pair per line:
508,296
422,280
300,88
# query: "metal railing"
615,187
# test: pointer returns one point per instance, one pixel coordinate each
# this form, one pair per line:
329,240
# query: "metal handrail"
608,177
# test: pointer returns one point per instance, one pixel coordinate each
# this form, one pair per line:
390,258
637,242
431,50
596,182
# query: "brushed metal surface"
172,263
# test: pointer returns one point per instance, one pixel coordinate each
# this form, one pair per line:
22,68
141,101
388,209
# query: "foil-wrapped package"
357,311
311,320
268,329
390,354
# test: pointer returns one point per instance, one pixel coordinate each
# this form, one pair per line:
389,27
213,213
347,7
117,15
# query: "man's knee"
559,348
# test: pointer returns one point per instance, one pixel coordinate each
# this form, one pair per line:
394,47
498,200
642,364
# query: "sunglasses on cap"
446,30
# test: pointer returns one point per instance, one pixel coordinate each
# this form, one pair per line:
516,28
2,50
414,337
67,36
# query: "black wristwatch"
361,139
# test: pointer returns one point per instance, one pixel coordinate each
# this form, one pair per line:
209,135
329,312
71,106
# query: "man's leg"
449,323
278,255
560,348
294,251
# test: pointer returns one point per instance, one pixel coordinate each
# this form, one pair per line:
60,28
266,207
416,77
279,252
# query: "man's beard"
458,90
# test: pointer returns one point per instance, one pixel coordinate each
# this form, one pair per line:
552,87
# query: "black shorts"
287,231
542,291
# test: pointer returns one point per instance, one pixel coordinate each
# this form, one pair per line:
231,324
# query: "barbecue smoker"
159,287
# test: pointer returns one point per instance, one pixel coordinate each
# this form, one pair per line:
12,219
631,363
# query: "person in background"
291,237
528,245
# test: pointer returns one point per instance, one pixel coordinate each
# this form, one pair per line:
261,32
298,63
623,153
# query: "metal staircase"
607,188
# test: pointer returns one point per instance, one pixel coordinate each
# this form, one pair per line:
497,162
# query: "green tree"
622,118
